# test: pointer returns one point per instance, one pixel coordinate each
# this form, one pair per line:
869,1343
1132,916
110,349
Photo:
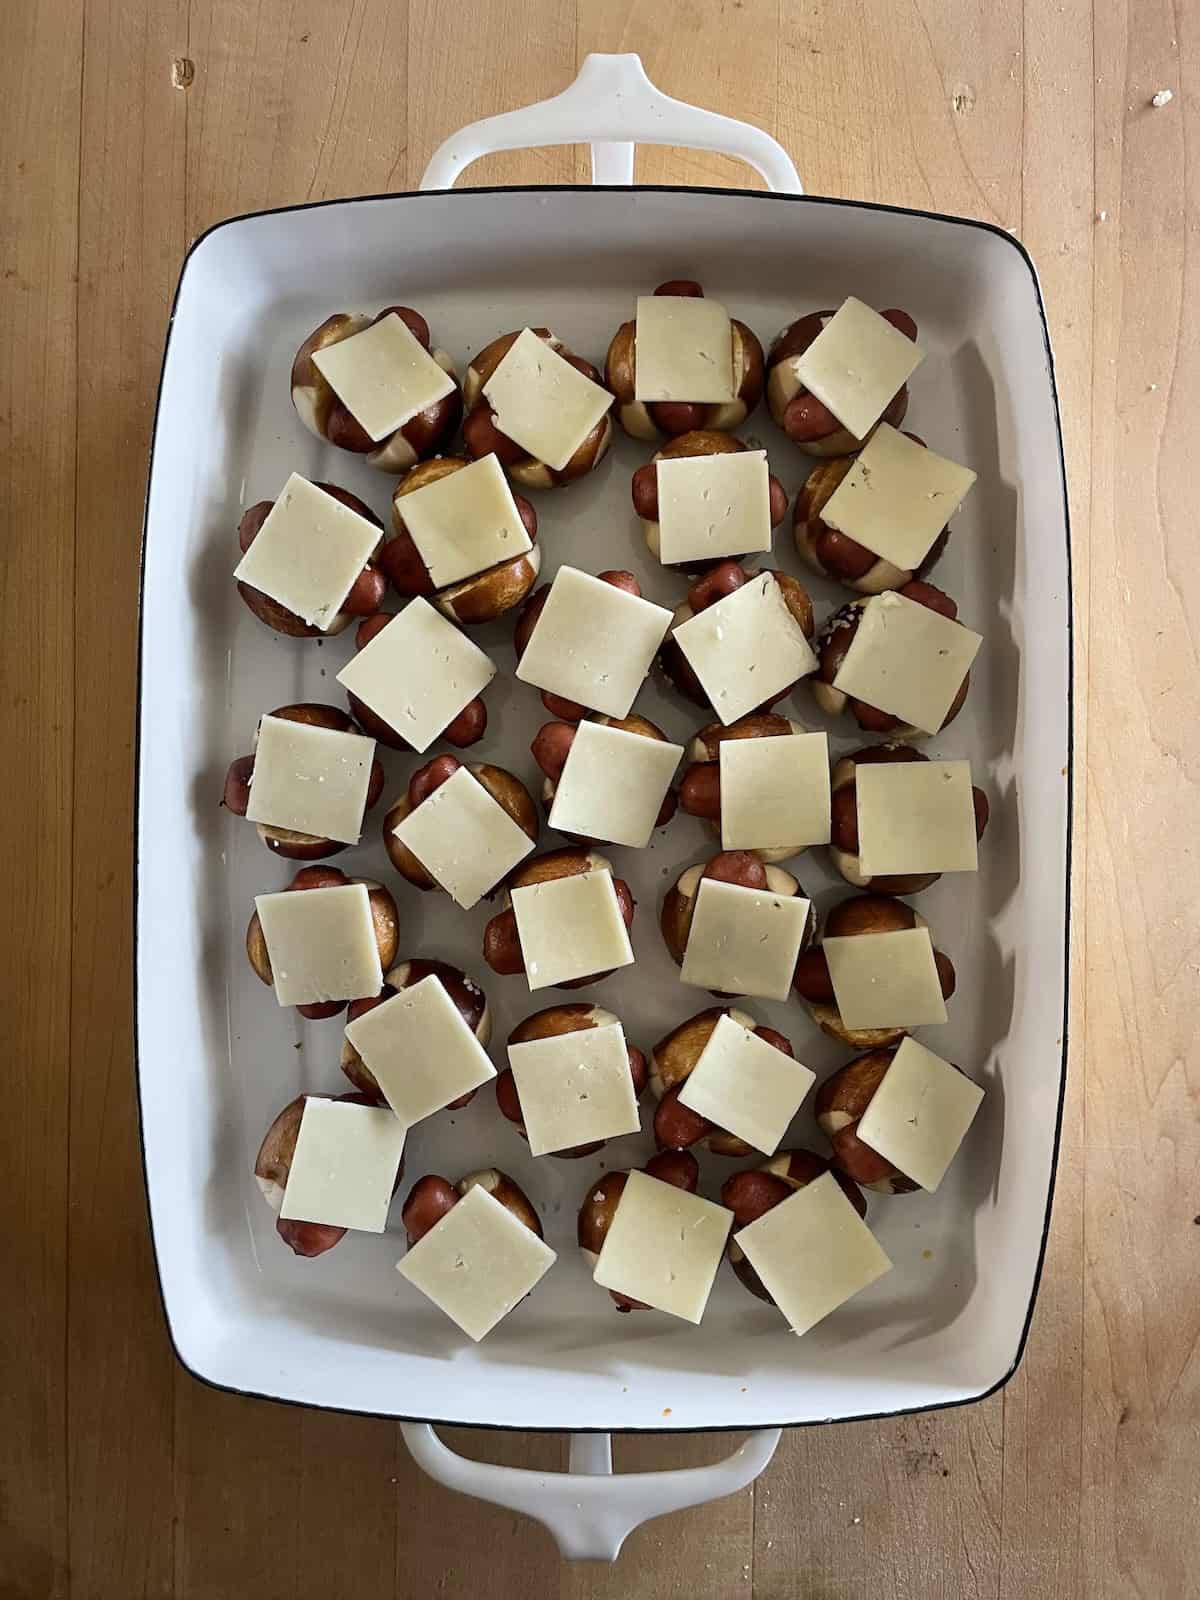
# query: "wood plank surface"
128,127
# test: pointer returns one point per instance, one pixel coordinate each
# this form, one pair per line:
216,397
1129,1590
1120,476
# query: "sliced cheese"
663,1247
345,1163
775,792
420,1051
321,944
885,980
477,1263
418,673
465,522
915,816
308,552
383,376
920,1113
542,402
313,780
744,941
575,1088
907,660
746,1085
713,506
593,643
683,350
613,785
897,498
813,1252
856,364
746,649
463,838
570,928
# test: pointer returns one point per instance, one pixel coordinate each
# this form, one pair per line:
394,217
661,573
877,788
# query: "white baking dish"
217,1058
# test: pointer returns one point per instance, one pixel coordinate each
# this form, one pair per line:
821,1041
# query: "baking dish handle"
589,1509
613,106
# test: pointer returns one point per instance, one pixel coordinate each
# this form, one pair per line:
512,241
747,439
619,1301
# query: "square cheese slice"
746,648
383,376
570,928
775,792
308,552
574,1088
907,660
420,1051
897,497
477,1263
463,838
885,980
418,673
746,1086
813,1252
712,506
465,522
613,785
683,350
593,643
313,780
916,816
542,402
856,364
345,1164
920,1113
321,943
744,941
663,1247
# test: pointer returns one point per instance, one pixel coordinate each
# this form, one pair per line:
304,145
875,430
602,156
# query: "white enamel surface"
216,1053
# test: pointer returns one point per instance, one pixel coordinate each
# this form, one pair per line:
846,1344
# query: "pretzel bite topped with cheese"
607,779
573,1081
736,925
462,538
761,784
415,678
431,1197
706,497
682,365
377,387
541,410
750,1195
832,376
567,922
679,1168
465,994
724,1039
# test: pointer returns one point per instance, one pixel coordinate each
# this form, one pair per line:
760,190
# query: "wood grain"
128,127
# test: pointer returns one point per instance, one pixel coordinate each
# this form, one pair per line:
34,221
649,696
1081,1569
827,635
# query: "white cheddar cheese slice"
746,648
713,506
907,660
575,1088
856,364
308,552
418,673
383,376
463,838
477,1263
663,1247
321,943
345,1164
885,980
542,402
915,816
465,522
613,785
746,1086
420,1051
313,780
897,498
813,1252
683,350
920,1113
570,928
744,941
775,792
593,643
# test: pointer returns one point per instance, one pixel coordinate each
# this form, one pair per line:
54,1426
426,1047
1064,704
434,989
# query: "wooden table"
131,125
